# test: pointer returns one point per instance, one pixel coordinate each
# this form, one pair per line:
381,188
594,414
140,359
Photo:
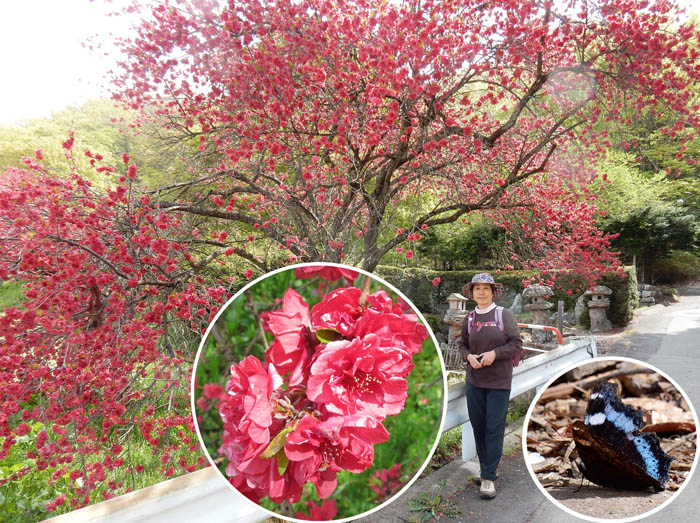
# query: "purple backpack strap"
470,322
499,319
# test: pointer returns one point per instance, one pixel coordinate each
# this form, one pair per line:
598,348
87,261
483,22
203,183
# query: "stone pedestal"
597,308
539,309
647,294
517,306
454,317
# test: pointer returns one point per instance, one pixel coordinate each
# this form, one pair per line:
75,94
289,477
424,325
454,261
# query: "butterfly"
613,451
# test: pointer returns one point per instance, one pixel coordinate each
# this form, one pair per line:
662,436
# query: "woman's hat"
483,277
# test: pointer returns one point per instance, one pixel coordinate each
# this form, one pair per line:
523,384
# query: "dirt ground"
592,500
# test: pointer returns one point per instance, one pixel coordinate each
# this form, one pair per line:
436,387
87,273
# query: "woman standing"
490,340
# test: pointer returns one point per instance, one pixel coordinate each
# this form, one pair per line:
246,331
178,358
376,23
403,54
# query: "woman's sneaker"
488,489
477,479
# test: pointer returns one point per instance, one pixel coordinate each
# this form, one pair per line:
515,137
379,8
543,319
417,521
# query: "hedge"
416,284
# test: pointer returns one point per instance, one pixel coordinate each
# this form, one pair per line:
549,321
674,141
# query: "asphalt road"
668,337
665,336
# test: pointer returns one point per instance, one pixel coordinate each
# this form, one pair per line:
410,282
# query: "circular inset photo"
319,392
611,439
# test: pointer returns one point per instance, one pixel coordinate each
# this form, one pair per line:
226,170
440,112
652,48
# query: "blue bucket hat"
483,277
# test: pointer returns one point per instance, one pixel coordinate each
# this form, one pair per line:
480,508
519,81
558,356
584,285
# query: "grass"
430,506
448,448
10,294
517,409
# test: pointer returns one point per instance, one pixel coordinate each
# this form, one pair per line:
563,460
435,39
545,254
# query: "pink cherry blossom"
338,311
403,331
261,478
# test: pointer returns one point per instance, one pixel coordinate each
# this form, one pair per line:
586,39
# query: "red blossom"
327,511
360,376
386,482
403,331
338,311
327,272
246,411
212,391
261,478
337,442
291,350
68,144
22,429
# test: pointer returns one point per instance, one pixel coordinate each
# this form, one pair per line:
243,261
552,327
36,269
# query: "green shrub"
677,267
625,296
436,323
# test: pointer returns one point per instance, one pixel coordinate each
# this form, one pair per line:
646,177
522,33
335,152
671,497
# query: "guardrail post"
560,315
468,442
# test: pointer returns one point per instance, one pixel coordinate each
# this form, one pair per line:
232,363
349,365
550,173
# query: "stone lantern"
596,308
539,308
454,317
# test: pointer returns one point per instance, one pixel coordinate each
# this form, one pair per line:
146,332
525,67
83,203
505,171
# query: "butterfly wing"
607,465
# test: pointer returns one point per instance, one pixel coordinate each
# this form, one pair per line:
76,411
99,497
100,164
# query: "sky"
45,68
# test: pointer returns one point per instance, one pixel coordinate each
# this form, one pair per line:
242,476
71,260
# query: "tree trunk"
648,267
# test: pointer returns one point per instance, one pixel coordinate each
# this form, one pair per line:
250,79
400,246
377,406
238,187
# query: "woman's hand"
487,358
473,361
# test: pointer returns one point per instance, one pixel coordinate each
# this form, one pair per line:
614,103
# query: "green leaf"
282,462
328,335
276,444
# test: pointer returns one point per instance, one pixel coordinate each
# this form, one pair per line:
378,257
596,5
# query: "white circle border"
238,293
572,512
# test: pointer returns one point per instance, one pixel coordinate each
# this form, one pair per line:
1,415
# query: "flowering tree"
316,119
91,357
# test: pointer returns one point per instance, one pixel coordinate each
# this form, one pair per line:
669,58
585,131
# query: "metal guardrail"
197,496
532,373
202,496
